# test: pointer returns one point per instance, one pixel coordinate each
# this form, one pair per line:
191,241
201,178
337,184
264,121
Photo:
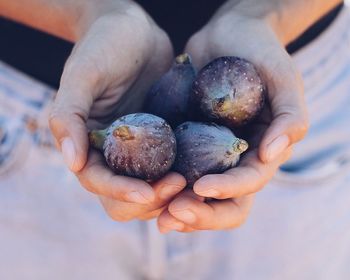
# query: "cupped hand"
118,56
282,123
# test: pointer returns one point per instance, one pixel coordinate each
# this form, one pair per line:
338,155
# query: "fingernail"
207,192
186,216
137,197
68,152
276,147
168,191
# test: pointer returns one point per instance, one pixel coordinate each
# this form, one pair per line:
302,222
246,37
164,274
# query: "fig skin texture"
205,148
229,90
169,97
137,145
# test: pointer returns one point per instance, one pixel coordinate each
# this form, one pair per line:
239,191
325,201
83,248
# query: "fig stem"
123,132
97,138
183,59
240,146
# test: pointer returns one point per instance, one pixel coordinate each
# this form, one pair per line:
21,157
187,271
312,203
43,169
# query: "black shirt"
42,56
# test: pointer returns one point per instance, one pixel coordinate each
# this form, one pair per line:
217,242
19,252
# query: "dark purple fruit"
205,148
229,90
169,97
137,145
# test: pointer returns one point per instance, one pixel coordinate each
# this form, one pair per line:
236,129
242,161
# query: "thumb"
289,115
68,118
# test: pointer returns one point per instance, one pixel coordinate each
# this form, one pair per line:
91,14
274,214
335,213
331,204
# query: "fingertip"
70,134
166,223
169,186
174,178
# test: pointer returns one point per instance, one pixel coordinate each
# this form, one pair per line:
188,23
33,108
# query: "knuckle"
60,117
87,184
82,69
297,122
260,178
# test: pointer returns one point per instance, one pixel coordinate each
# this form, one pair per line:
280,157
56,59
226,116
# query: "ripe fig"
205,148
137,145
168,98
229,90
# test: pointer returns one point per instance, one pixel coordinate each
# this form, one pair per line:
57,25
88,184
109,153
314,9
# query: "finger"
122,211
214,215
70,112
151,215
249,177
125,211
196,48
97,178
167,223
164,189
112,208
290,122
167,187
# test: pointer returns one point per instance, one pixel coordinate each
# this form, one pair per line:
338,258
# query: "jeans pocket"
14,145
324,174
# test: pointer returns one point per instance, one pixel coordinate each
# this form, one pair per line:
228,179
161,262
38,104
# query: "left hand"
234,32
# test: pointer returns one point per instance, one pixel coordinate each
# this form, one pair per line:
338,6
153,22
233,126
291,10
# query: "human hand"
119,53
233,193
283,122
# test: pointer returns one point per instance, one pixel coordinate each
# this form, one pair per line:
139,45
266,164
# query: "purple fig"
229,90
169,97
137,145
205,148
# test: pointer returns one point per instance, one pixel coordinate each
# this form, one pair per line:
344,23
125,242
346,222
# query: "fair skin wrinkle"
110,69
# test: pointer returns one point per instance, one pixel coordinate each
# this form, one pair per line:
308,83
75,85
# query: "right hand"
119,55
